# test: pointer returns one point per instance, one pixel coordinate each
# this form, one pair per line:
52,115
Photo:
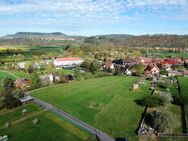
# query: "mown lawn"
107,103
50,126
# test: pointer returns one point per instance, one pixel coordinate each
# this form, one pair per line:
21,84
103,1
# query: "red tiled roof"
68,59
171,62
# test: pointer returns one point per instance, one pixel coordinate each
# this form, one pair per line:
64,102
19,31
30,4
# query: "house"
46,79
155,70
152,69
128,72
168,68
22,83
109,65
185,73
174,73
21,65
60,62
170,62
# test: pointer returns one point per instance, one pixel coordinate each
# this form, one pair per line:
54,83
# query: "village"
147,67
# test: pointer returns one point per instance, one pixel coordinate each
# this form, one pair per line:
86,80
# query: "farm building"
60,62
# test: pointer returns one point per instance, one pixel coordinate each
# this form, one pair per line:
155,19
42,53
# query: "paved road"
101,135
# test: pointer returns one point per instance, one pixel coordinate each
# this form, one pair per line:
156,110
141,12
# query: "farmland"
22,127
107,103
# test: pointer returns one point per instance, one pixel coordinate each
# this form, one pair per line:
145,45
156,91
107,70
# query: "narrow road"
101,135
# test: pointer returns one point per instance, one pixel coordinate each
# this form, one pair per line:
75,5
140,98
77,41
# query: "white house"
67,61
155,70
21,65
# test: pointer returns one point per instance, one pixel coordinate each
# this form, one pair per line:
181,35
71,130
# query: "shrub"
166,97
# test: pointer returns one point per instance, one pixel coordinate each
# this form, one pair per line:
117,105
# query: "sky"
94,17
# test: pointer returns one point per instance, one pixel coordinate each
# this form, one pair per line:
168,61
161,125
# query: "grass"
3,75
107,103
183,81
20,74
50,127
11,116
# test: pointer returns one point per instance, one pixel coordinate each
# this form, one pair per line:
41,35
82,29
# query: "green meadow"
106,103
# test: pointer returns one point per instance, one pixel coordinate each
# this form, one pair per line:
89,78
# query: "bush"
166,97
12,102
117,71
161,121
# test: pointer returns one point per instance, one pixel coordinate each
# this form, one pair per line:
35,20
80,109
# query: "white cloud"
83,13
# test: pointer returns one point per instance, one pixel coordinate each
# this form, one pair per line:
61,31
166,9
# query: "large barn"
60,62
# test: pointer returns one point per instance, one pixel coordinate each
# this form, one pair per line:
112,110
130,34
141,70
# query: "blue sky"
93,17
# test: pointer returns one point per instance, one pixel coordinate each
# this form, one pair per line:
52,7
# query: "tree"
164,72
161,120
21,93
10,100
117,71
2,102
92,68
30,70
35,81
151,101
77,73
86,65
139,69
8,86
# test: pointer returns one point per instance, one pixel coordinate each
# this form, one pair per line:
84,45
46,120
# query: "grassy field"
107,103
50,127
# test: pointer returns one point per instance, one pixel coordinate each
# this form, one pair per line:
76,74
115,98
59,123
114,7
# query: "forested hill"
175,41
57,38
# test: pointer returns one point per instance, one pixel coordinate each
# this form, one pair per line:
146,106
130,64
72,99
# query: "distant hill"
158,40
58,38
42,36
